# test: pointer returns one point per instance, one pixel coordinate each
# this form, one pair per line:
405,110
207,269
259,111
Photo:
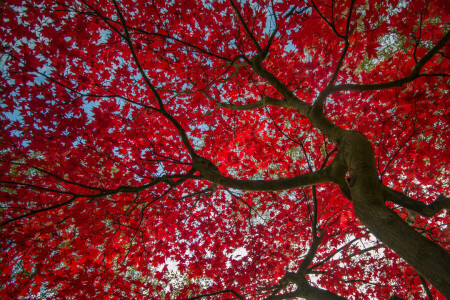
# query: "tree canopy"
232,149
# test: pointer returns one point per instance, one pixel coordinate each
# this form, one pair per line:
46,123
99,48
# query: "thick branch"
426,210
301,180
427,258
291,100
217,293
309,292
310,255
266,100
315,114
181,132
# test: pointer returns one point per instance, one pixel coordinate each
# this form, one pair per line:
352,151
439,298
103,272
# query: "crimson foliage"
110,109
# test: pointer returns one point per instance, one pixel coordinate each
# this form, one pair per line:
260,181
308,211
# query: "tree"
269,149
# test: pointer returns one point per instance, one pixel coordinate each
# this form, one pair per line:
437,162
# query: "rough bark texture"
307,291
354,156
364,186
430,260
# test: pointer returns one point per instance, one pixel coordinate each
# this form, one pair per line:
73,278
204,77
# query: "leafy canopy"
171,149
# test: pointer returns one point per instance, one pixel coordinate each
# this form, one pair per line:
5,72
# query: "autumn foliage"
172,149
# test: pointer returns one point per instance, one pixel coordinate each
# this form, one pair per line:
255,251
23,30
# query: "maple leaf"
144,145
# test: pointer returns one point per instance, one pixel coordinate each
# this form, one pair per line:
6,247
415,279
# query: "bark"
368,196
364,188
238,296
309,292
301,180
428,259
313,293
421,208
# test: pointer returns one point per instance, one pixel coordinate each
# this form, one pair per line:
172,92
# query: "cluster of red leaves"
75,121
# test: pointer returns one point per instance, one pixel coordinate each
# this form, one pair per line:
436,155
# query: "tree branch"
135,58
396,83
34,212
304,289
291,100
266,100
326,20
344,52
426,210
331,255
238,296
307,291
301,272
247,30
142,31
425,287
301,180
101,193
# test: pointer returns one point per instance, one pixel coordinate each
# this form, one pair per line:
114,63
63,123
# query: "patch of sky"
40,77
15,115
290,47
270,22
105,34
79,141
88,106
239,253
208,4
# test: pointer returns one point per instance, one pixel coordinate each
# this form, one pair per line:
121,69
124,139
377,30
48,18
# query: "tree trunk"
306,291
428,259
